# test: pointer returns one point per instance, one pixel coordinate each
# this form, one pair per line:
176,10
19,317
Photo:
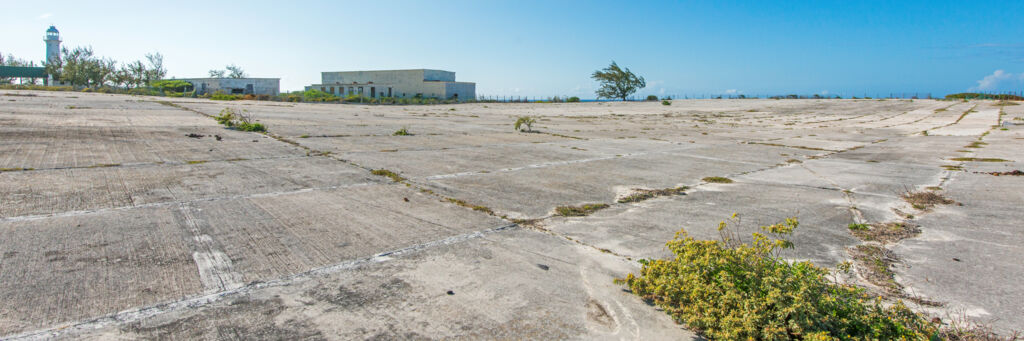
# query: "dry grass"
386,173
925,200
717,180
884,232
1009,173
959,327
974,159
579,211
640,194
874,264
479,208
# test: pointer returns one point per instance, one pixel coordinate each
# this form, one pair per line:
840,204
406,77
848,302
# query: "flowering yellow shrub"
730,290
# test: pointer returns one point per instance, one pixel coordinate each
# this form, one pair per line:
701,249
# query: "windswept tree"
235,71
230,71
156,70
617,82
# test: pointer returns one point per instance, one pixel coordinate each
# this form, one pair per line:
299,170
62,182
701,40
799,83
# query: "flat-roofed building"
424,83
238,86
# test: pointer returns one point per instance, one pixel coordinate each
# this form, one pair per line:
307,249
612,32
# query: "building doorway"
373,91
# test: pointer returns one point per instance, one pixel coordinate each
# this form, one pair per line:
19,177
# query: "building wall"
403,83
260,86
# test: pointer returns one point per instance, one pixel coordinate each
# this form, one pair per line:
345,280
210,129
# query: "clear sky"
544,48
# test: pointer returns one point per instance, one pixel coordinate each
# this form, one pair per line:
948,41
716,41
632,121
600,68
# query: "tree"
12,61
217,73
156,70
617,82
235,71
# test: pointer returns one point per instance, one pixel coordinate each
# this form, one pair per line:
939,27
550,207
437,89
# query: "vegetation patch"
925,200
196,162
640,194
389,174
525,122
1009,173
717,180
874,264
729,290
884,232
579,211
480,208
239,120
15,169
401,132
974,159
954,168
975,144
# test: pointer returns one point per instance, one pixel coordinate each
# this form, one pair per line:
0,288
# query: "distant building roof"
22,71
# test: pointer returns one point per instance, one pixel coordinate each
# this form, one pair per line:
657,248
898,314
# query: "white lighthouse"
52,45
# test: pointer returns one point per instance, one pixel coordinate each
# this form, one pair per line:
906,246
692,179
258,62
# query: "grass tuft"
579,211
884,232
389,174
640,194
925,200
717,180
974,159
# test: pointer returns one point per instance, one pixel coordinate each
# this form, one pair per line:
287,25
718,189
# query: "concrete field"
125,217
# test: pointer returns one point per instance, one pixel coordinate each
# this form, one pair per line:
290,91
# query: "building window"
360,91
332,90
323,89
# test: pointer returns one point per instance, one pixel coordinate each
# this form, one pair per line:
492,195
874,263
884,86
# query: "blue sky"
544,48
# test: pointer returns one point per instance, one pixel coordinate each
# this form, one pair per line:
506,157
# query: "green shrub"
729,290
652,98
402,132
239,120
526,121
573,99
666,102
175,85
221,96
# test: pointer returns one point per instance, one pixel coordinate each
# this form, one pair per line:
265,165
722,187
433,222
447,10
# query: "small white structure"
424,83
236,86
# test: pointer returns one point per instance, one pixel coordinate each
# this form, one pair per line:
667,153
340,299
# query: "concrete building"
237,86
396,83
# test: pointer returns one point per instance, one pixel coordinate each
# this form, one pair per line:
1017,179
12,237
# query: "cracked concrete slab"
117,220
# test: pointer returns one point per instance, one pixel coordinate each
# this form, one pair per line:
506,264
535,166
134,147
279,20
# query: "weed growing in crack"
924,200
717,180
640,194
240,120
884,232
974,159
579,211
389,174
